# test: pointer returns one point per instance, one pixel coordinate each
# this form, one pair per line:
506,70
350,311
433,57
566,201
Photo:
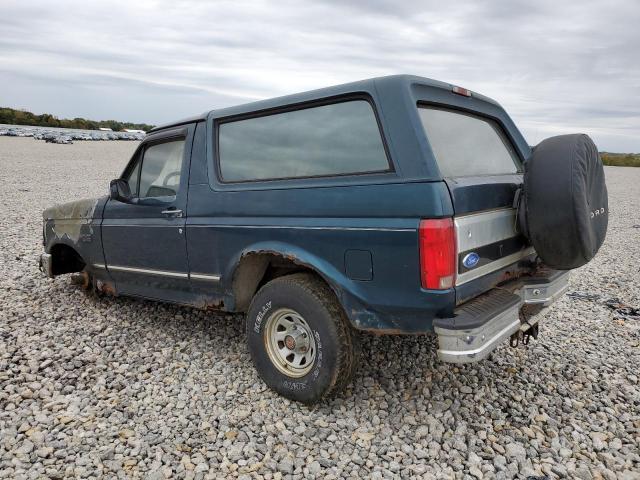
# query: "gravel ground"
115,387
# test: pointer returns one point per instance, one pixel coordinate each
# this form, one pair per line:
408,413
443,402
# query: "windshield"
466,145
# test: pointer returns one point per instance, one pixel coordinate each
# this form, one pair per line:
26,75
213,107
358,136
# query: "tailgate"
486,230
482,170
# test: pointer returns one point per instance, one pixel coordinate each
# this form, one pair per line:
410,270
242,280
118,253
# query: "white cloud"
555,66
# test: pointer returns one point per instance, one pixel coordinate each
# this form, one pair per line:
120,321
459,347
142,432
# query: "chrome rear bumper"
481,324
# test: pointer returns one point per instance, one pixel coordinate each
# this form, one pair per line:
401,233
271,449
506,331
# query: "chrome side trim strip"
292,227
364,229
493,266
484,228
163,273
205,277
148,271
169,225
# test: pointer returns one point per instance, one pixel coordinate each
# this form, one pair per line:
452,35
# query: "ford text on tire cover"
396,205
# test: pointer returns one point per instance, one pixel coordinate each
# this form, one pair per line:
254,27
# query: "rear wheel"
299,338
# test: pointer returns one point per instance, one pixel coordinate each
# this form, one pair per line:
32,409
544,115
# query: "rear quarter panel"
316,227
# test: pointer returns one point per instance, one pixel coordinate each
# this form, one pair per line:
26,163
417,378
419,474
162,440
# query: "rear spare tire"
564,207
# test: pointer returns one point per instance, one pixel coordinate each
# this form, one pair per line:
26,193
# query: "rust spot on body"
210,304
379,332
506,276
106,288
83,279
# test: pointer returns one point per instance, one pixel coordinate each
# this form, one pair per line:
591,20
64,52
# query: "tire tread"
346,338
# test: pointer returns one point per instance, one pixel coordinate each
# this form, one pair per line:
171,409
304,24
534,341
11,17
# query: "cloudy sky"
556,66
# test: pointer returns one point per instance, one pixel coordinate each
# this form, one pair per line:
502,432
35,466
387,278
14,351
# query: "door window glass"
161,167
132,178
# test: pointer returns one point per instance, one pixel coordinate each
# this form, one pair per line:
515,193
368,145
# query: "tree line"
12,116
621,159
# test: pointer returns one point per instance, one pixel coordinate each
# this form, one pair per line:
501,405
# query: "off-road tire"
335,341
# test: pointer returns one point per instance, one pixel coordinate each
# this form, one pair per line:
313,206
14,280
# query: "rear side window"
336,139
466,145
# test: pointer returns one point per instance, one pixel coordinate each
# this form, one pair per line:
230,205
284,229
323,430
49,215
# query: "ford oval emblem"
470,260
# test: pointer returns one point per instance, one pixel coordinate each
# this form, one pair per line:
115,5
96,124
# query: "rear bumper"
481,324
46,265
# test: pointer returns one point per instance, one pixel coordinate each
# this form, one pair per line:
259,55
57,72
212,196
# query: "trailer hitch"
524,335
530,332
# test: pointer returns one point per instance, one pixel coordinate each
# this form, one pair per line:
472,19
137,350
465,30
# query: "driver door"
144,239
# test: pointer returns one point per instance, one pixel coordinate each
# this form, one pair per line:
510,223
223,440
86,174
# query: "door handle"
172,212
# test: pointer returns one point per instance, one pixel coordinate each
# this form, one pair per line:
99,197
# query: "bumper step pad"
480,310
481,324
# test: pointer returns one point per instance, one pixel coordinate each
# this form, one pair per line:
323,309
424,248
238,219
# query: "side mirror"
119,190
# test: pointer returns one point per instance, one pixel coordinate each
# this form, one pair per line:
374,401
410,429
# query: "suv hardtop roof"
368,85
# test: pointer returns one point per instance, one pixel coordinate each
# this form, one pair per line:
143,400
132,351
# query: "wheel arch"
65,259
258,264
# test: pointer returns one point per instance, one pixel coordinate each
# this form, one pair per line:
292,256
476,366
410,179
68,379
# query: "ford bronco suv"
395,205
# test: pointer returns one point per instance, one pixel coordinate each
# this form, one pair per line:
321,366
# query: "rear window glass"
466,145
337,139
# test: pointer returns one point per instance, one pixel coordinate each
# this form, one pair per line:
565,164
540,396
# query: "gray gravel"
115,387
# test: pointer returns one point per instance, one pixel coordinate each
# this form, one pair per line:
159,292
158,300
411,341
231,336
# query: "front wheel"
299,338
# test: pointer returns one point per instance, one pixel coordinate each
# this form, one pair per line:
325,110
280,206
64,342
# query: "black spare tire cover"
564,206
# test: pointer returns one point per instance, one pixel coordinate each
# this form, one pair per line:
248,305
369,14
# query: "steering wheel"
171,175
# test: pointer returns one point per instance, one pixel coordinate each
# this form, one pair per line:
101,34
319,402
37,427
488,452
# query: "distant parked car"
62,139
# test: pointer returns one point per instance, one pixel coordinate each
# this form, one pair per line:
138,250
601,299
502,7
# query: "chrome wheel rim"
290,343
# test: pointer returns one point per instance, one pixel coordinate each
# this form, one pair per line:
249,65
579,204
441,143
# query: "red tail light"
437,239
